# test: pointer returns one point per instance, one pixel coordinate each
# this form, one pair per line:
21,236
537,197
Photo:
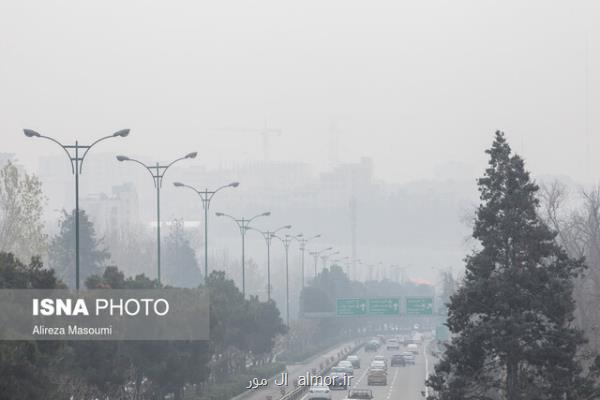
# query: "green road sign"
419,305
384,306
351,307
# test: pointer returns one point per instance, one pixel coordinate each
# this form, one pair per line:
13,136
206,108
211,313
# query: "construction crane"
266,132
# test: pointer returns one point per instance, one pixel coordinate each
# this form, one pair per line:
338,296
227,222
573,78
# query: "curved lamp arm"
313,237
32,133
189,155
121,158
265,214
121,133
263,233
179,184
232,185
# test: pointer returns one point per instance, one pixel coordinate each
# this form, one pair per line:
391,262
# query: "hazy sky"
411,83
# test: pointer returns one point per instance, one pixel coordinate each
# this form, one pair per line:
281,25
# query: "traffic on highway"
392,366
386,366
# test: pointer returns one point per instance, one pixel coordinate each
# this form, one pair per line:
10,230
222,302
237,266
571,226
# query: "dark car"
372,345
398,360
376,376
338,381
366,394
409,358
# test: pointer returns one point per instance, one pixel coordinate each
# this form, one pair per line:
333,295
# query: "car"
409,357
355,360
380,358
417,338
398,360
392,344
372,345
347,365
319,396
338,369
379,364
376,376
338,379
413,348
366,394
319,392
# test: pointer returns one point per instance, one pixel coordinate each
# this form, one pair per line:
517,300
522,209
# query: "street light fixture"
76,161
206,196
243,224
268,236
316,255
343,260
157,171
303,242
326,256
287,240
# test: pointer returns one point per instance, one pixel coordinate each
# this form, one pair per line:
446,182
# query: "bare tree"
577,223
21,209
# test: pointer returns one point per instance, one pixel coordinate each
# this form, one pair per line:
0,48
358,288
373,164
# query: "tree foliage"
21,211
27,367
576,218
241,329
93,256
180,267
512,317
238,324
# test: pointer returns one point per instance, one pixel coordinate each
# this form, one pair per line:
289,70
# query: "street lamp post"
243,224
287,240
353,264
358,276
303,242
76,159
206,196
326,256
371,266
268,236
316,255
343,260
157,171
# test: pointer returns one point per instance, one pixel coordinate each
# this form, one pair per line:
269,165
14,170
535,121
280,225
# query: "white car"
380,358
392,344
413,348
319,393
347,365
379,364
354,359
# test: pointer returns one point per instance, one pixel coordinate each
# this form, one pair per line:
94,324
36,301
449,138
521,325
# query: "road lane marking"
356,383
391,388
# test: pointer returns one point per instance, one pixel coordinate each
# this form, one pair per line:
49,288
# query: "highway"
404,383
294,371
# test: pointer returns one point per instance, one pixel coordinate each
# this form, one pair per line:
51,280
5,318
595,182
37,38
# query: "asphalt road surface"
293,372
404,383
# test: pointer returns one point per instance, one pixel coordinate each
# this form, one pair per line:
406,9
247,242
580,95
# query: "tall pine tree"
94,255
512,319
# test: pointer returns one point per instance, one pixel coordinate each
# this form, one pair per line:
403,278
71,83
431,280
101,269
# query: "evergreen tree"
27,368
512,319
92,254
180,267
